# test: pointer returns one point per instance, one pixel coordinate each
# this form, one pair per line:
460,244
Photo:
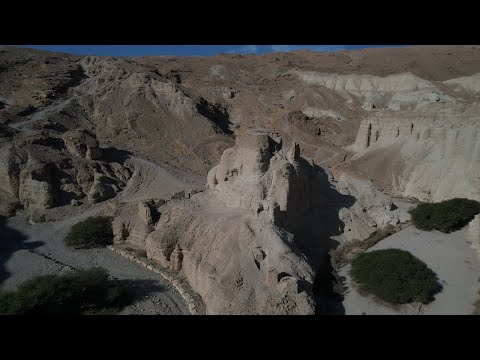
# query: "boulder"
81,143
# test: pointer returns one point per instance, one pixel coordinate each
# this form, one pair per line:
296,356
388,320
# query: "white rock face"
394,92
431,156
372,210
421,139
471,84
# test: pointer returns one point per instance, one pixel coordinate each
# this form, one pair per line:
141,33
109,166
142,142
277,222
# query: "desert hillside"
239,172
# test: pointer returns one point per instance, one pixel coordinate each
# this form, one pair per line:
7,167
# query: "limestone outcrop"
38,171
372,210
135,222
81,143
252,243
232,247
422,154
394,92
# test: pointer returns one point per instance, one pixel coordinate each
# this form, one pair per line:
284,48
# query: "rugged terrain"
303,151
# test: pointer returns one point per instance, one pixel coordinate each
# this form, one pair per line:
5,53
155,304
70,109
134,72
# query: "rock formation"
44,169
81,143
371,211
252,243
421,154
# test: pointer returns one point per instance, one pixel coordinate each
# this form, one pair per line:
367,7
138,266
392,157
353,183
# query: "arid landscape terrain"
241,184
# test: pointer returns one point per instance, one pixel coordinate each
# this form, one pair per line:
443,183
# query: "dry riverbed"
35,249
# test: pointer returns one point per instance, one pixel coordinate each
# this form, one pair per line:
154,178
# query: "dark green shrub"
75,293
395,276
445,216
92,232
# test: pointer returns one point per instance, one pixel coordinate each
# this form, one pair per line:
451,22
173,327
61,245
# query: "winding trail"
56,106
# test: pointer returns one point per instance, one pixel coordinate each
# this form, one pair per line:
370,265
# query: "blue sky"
186,50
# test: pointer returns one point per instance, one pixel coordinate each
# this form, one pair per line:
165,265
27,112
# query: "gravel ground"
448,255
38,249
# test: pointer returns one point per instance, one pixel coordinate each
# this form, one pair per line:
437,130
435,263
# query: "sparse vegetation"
92,232
395,276
75,293
445,216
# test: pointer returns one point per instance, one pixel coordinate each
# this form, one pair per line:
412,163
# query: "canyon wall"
431,156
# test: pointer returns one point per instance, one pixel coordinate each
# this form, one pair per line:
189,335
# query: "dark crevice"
369,134
217,114
282,275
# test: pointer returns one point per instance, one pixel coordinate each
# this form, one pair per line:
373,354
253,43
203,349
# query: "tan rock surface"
38,171
251,244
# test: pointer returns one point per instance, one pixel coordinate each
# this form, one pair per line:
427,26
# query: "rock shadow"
115,155
11,240
315,223
139,289
314,217
217,114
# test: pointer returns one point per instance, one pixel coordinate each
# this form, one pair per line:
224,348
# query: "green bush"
92,232
446,216
86,291
395,276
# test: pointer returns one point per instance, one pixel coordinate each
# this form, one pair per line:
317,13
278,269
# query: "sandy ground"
448,255
34,249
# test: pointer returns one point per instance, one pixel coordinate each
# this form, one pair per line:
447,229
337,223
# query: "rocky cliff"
430,153
45,168
253,242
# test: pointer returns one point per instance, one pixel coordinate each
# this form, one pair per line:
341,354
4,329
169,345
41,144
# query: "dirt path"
56,106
